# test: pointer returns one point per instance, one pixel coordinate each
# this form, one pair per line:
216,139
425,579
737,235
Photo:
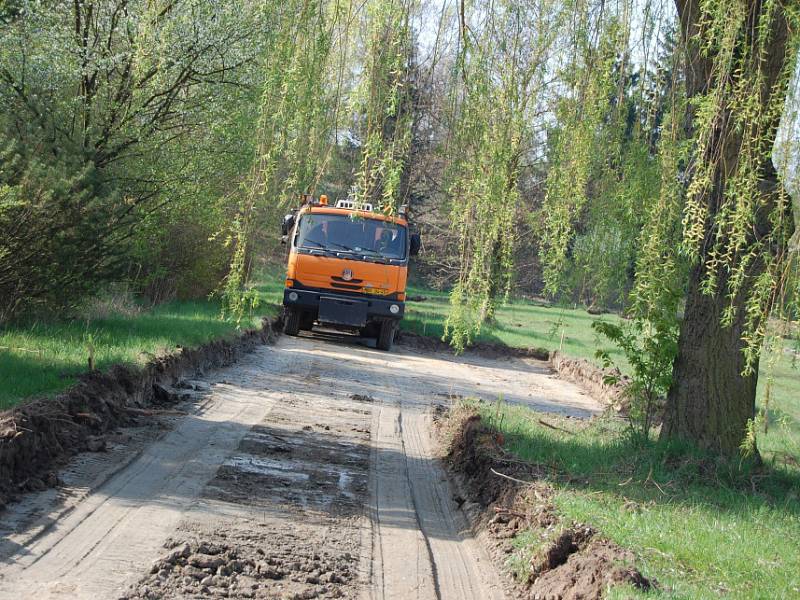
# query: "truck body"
347,269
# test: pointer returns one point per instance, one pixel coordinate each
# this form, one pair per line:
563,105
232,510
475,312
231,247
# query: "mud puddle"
282,517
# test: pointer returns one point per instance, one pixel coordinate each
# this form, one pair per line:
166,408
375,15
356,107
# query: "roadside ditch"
39,436
509,502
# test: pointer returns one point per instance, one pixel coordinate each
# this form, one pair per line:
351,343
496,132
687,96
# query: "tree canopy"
614,154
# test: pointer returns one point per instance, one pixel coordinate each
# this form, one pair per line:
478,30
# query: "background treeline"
132,133
129,131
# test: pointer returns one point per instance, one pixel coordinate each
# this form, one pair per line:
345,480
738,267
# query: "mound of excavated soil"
574,561
38,436
259,564
587,573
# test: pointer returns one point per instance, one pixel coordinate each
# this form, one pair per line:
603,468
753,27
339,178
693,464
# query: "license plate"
376,291
342,311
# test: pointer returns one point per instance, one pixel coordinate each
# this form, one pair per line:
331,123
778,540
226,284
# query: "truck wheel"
291,321
386,335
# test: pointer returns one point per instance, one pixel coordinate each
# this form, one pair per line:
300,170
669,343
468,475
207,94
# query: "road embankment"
38,436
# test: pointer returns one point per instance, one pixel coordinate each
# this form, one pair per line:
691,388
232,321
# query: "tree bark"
710,402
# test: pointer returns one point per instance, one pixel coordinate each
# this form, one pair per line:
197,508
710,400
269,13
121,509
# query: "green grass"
523,323
519,323
702,529
701,533
270,288
46,358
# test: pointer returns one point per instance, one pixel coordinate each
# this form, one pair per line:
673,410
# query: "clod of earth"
576,563
202,567
589,573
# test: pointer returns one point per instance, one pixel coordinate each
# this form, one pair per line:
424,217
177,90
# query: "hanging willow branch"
501,68
594,76
295,128
385,101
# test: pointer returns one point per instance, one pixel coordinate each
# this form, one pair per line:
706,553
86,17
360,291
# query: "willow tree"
299,106
599,164
384,101
740,56
501,68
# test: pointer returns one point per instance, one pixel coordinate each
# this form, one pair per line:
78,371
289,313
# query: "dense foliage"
124,126
609,154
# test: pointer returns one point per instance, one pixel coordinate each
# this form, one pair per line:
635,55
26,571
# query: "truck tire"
291,321
386,335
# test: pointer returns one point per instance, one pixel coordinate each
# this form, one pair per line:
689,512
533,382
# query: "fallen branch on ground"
510,478
551,426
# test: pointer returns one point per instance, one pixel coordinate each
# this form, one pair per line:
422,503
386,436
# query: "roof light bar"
352,205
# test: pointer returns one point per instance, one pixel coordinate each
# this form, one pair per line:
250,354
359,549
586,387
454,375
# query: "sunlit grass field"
43,358
701,530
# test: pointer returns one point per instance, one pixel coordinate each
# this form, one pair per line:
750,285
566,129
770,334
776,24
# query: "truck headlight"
394,309
293,296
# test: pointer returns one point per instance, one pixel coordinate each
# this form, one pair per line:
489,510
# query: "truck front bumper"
355,310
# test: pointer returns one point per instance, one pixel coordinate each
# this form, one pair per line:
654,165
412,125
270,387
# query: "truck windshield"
357,235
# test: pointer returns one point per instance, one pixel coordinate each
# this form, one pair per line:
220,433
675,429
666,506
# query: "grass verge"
523,323
41,359
701,528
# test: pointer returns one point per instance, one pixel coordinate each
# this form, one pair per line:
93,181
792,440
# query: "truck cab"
347,269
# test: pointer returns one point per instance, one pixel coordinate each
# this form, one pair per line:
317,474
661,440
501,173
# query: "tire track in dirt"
425,545
114,532
309,472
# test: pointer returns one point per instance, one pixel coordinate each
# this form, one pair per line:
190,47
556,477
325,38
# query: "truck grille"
338,279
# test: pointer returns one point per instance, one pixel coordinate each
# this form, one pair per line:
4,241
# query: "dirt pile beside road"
506,497
594,380
38,436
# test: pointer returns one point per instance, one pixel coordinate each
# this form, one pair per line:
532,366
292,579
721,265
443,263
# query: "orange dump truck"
347,269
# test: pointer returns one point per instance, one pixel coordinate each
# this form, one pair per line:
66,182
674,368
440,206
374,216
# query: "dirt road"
307,470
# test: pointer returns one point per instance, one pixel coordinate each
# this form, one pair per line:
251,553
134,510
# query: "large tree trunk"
710,402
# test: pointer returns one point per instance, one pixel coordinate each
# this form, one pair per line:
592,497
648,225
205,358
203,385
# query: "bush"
650,348
59,235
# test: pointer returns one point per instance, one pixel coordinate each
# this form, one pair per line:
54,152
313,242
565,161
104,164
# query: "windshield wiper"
319,245
343,247
366,252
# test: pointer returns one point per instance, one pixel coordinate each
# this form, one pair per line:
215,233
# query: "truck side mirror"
288,223
416,243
